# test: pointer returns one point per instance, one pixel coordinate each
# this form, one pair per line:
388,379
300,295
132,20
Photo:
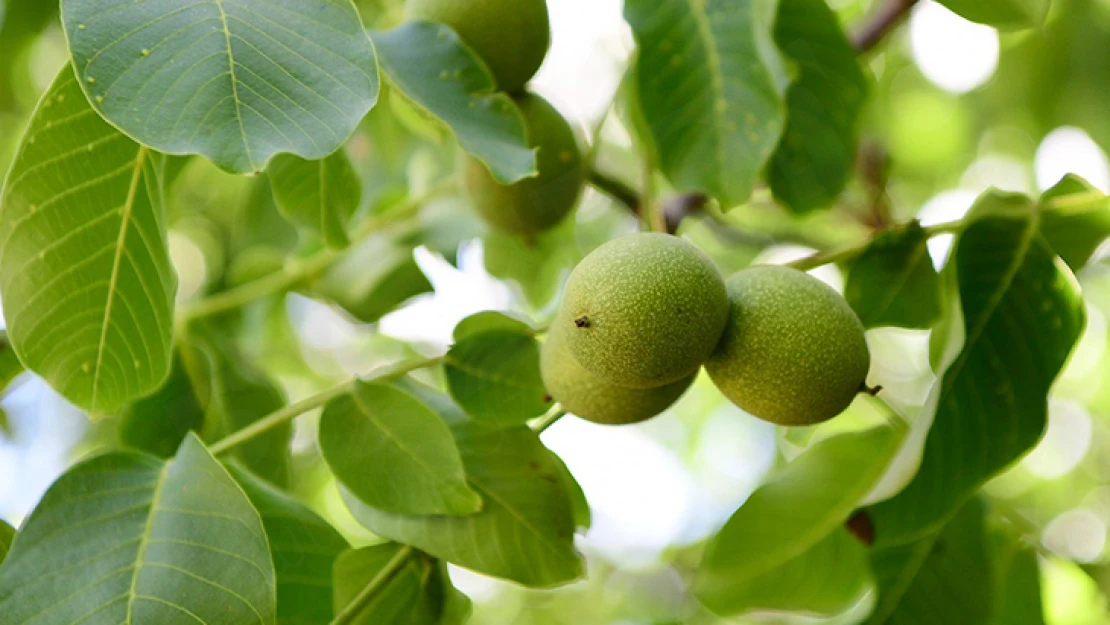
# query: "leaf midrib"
113,281
144,541
235,85
716,84
365,410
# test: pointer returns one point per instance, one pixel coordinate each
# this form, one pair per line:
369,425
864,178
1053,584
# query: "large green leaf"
1075,220
127,538
827,579
320,195
525,531
1022,314
796,509
818,150
894,282
947,575
1005,14
495,376
419,594
237,81
436,70
395,453
85,273
158,423
304,548
7,535
709,88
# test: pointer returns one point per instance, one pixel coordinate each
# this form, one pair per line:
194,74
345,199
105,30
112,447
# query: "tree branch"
879,25
292,411
617,190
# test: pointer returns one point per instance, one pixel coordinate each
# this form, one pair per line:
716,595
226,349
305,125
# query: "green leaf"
525,532
85,273
243,395
373,278
1022,314
489,321
817,154
495,376
894,283
320,195
1004,14
1018,578
708,90
583,516
1075,220
304,549
396,454
127,538
419,594
159,423
237,81
947,575
827,579
538,267
442,75
7,535
798,508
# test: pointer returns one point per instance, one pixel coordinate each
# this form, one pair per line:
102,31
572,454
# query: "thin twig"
617,190
880,24
300,271
292,411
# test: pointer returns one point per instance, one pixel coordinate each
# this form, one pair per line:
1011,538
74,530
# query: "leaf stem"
292,411
299,271
551,418
878,26
380,581
844,255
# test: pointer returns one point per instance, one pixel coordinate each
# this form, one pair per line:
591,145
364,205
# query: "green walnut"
644,310
533,204
511,36
594,399
794,352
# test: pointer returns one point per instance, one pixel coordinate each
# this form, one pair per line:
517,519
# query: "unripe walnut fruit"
793,352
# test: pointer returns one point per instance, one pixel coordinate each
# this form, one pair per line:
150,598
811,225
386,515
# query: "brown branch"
878,26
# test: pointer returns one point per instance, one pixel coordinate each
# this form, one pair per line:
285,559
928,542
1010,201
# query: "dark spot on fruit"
535,466
860,526
582,322
547,398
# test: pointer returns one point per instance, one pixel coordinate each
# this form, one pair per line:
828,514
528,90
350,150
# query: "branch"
292,411
297,272
879,25
617,190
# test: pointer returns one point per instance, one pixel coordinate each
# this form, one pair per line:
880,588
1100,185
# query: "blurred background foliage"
956,108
